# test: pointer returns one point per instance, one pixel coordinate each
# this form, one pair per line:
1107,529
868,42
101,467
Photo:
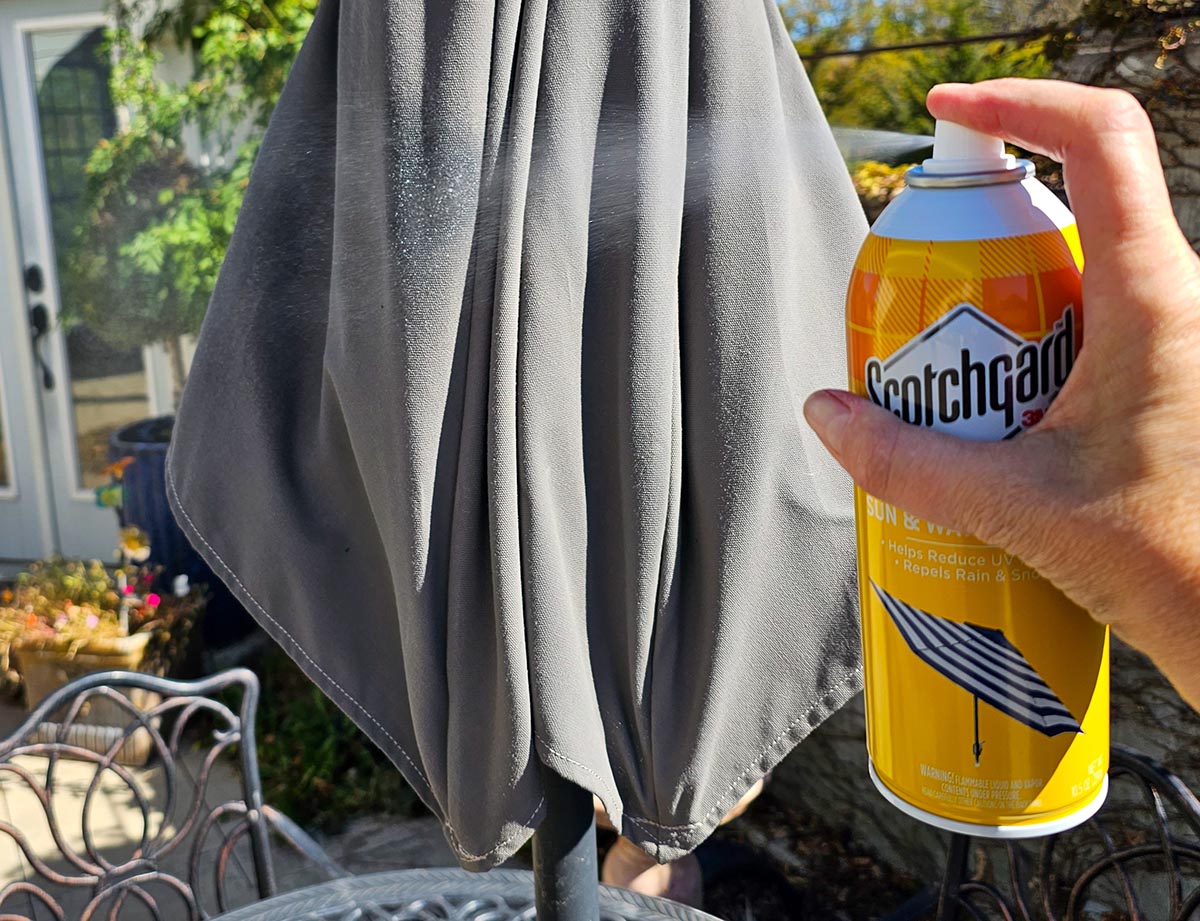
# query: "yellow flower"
135,545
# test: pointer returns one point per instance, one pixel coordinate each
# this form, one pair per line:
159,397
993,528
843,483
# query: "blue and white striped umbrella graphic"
983,662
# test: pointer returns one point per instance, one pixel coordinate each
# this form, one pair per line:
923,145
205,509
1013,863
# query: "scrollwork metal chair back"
1139,858
179,865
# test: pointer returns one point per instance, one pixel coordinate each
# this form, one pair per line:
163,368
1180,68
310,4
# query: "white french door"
61,394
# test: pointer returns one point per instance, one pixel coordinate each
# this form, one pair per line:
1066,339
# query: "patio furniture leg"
956,872
566,882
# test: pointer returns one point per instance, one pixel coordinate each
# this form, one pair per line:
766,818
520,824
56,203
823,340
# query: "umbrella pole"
977,748
565,879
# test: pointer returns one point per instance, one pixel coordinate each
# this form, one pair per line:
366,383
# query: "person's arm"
1103,497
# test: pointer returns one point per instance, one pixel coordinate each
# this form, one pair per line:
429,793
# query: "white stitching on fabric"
284,630
463,853
454,839
677,829
636,821
557,754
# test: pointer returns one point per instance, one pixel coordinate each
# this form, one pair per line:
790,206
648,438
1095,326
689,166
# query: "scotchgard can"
986,688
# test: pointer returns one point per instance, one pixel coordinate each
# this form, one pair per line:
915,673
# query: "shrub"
316,765
877,184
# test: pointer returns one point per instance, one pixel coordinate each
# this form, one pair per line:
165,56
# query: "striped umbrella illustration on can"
984,663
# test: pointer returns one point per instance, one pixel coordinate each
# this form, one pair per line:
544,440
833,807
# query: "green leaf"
153,227
111,495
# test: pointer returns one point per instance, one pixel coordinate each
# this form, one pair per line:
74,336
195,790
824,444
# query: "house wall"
1170,94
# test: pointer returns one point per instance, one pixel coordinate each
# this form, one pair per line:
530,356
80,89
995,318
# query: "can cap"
959,149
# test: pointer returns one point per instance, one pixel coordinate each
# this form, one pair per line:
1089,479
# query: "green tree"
163,194
887,90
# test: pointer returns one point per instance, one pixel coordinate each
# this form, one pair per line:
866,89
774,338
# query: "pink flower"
153,600
128,590
92,620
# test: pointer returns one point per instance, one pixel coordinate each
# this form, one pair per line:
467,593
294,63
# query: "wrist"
1158,612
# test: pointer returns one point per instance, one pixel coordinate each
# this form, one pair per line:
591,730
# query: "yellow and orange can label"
986,689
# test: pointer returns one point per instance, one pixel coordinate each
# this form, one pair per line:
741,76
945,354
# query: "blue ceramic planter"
145,505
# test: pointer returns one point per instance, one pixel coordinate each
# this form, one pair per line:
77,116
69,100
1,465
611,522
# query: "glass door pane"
108,384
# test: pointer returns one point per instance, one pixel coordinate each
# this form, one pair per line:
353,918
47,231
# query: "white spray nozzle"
958,149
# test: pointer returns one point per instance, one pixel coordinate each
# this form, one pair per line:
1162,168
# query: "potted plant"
65,618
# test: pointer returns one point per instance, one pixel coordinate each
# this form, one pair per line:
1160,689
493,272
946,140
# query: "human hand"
1103,496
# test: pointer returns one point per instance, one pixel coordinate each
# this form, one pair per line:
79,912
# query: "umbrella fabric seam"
462,852
170,476
851,679
678,829
603,783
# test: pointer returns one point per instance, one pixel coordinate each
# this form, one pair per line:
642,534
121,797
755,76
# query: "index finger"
1102,137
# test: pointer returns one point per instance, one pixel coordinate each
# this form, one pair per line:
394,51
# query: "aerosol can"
986,688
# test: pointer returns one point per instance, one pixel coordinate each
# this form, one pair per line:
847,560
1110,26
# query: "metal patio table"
448,894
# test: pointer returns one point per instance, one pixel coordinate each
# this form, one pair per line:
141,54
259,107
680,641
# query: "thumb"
970,486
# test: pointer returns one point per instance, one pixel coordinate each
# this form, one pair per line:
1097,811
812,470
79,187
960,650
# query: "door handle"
39,322
35,281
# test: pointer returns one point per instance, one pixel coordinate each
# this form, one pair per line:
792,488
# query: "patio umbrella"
494,422
984,663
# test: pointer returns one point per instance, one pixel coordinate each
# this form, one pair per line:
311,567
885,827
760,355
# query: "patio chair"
199,826
1138,858
190,837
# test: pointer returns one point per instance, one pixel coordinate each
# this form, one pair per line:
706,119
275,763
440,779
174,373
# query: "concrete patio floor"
116,824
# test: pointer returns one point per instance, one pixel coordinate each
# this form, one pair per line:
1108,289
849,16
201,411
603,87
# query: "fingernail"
828,415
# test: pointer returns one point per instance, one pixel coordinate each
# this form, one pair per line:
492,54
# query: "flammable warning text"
978,792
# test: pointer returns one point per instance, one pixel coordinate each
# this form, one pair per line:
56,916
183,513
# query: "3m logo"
972,377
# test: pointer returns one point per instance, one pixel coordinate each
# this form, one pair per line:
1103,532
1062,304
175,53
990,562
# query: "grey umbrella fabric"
494,421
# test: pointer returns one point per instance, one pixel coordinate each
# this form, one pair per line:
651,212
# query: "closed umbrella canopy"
494,421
